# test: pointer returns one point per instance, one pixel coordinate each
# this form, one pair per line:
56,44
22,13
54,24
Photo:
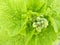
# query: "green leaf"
53,23
15,40
57,21
46,37
10,14
35,5
16,5
56,6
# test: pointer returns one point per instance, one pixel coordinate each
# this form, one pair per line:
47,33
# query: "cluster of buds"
40,23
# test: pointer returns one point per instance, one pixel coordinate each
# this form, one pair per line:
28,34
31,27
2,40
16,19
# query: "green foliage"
16,22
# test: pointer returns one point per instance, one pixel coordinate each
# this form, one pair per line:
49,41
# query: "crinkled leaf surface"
16,22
